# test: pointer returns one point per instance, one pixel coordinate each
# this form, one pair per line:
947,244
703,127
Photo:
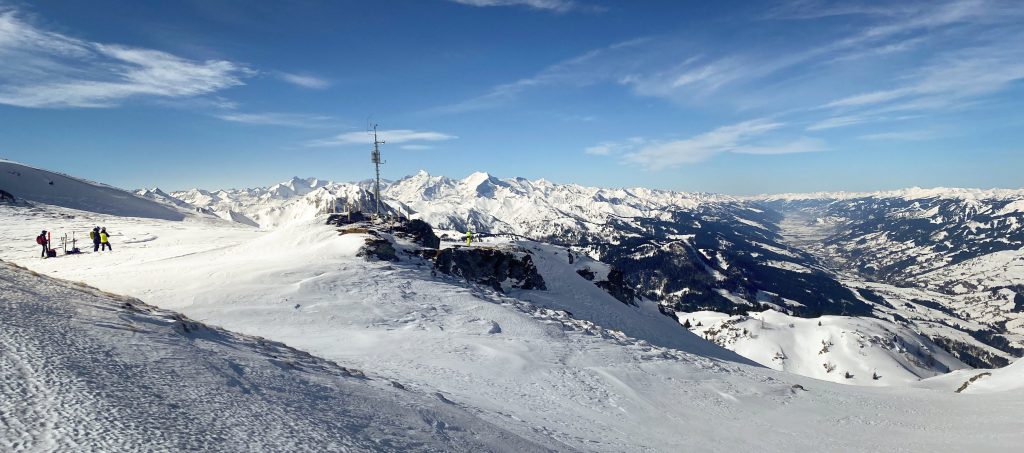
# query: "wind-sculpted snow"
42,186
81,370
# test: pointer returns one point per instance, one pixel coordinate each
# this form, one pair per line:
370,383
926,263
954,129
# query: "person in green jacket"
469,237
105,240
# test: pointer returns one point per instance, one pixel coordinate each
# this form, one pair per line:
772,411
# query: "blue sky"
733,96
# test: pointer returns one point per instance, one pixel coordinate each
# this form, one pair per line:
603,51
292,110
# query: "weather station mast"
375,158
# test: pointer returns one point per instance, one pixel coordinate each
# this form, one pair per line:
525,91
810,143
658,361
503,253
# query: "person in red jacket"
42,240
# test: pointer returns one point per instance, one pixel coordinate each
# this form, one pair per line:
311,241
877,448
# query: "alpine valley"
946,264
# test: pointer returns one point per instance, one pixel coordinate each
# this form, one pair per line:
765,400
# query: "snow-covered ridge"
43,186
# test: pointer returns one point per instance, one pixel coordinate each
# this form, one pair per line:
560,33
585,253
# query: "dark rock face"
616,286
586,273
687,275
419,231
969,354
378,248
6,196
347,218
490,267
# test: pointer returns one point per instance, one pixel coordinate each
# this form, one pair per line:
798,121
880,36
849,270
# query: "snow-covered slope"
858,351
534,369
41,186
82,370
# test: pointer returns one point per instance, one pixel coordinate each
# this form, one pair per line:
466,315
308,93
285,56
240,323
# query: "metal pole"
375,158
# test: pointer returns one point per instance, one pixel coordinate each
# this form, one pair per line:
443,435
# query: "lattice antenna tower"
375,158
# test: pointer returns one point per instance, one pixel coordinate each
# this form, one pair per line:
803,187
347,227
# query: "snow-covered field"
570,368
535,372
82,370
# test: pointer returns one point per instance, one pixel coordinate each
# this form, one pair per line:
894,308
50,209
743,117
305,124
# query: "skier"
105,240
469,237
95,236
41,240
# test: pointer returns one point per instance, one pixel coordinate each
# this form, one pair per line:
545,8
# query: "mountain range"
947,263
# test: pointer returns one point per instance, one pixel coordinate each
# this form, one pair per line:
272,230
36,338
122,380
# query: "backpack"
41,240
92,235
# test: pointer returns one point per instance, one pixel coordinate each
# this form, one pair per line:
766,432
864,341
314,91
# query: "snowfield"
82,370
539,374
362,354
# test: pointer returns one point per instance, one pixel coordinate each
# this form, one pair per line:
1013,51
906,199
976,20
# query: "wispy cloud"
837,121
416,147
390,136
963,76
305,81
736,138
277,119
902,136
586,69
609,148
551,5
47,69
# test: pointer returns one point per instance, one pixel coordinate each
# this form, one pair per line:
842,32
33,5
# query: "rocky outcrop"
418,231
379,248
347,218
617,286
495,268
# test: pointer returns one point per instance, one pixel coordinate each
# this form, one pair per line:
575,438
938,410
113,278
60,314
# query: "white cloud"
956,78
47,69
390,136
735,138
276,119
551,5
607,148
837,121
901,136
416,147
585,69
305,81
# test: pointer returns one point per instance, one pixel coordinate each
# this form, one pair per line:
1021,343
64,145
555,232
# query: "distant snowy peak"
159,195
283,203
296,187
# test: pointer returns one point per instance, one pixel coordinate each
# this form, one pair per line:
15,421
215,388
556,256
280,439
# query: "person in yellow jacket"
105,240
469,237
